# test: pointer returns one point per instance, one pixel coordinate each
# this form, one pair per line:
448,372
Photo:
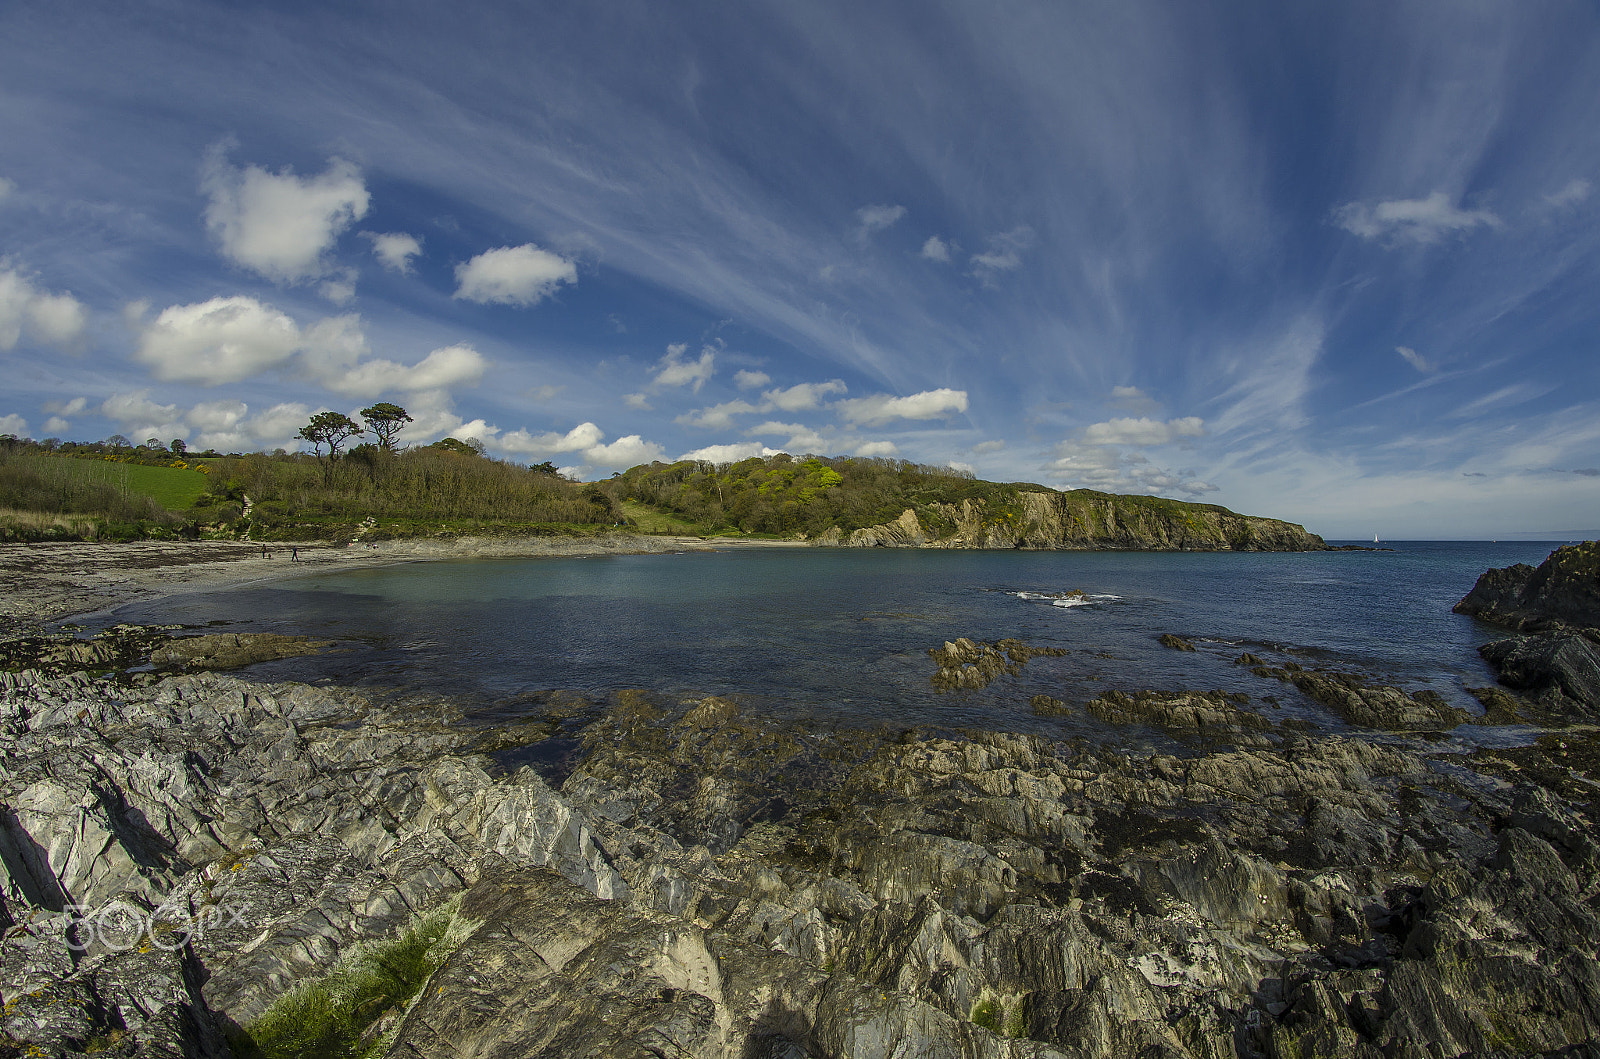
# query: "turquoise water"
842,635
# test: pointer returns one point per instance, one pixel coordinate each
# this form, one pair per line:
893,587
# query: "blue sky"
1335,263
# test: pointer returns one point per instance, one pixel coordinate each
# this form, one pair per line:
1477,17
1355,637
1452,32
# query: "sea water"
842,635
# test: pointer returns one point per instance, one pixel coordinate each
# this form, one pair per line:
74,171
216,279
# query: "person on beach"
294,555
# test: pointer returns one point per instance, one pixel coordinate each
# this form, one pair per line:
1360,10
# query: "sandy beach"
50,582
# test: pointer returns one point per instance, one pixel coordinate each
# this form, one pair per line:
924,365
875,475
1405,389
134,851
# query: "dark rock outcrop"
1561,673
1558,604
1563,591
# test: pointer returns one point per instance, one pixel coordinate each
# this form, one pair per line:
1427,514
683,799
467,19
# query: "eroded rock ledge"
693,881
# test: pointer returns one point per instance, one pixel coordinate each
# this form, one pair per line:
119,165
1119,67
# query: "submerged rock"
965,663
1379,706
1211,717
232,650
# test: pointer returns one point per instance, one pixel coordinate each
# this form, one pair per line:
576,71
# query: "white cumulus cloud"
717,417
1424,220
142,418
674,370
14,424
56,425
750,380
513,275
801,437
53,319
731,453
624,452
936,249
279,224
1143,431
581,437
235,338
221,340
443,368
394,250
882,408
880,448
800,397
227,427
66,408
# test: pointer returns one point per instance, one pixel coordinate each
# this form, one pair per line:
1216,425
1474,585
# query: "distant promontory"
897,504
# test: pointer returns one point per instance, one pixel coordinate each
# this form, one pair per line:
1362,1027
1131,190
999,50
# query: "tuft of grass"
336,1016
1006,1015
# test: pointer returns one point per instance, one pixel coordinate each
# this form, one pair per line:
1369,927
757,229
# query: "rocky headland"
1082,520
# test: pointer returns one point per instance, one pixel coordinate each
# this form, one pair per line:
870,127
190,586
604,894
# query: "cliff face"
1082,520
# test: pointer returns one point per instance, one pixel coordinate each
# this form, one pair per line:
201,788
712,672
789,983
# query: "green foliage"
438,489
330,1017
1004,1015
783,495
385,420
129,496
986,1013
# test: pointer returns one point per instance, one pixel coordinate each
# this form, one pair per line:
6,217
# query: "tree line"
784,495
450,485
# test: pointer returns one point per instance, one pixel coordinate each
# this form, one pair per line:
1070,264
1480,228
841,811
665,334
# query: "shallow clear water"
842,635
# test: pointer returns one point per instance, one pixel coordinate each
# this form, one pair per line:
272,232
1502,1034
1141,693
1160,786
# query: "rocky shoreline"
635,875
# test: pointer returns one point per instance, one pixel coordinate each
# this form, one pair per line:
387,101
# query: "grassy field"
174,488
649,520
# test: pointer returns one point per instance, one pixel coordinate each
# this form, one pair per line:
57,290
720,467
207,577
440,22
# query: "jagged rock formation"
1561,673
1080,520
700,882
1563,591
965,663
1558,603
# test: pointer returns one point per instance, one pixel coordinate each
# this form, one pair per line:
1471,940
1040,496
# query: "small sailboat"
1375,538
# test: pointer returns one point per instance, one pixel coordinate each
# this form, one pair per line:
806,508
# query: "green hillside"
865,501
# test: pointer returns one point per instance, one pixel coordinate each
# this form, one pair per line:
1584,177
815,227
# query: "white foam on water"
1066,599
